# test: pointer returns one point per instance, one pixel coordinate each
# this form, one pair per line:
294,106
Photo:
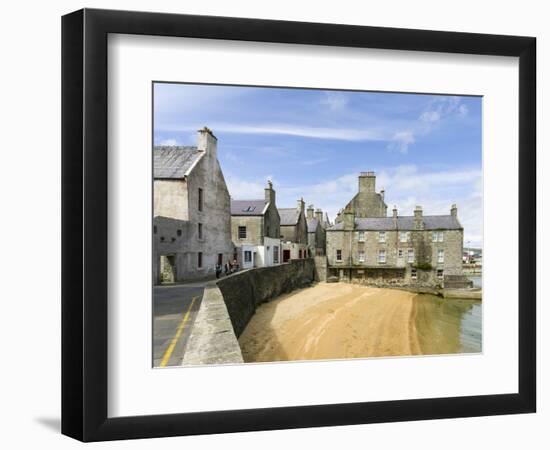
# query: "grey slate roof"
403,223
247,207
312,225
289,216
174,161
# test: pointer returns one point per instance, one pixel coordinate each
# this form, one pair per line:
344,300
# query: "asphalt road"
174,310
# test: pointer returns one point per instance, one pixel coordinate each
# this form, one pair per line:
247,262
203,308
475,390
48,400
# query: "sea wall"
212,339
244,291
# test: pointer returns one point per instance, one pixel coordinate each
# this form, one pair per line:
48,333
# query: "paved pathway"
174,310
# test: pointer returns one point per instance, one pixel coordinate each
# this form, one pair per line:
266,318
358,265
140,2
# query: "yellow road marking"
176,337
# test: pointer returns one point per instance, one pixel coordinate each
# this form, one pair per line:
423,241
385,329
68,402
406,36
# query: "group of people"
229,268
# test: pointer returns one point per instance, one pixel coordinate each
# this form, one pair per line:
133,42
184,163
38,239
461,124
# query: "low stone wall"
244,291
320,268
212,339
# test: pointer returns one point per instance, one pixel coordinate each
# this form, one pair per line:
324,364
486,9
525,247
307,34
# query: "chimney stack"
382,192
300,205
310,210
207,142
394,216
367,182
269,193
349,220
454,210
319,215
418,223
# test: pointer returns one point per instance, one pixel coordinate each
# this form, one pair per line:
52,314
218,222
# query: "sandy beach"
329,321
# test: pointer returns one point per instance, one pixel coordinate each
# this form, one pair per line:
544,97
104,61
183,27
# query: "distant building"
367,202
366,246
316,231
192,220
255,230
294,232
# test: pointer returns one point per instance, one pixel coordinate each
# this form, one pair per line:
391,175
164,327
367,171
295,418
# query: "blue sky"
425,149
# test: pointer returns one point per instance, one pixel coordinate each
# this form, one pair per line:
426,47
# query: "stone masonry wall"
420,241
244,291
320,268
212,339
254,230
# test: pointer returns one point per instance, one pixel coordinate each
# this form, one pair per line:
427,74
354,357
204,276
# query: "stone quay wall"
244,291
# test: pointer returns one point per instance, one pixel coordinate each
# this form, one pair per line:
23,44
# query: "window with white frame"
440,256
413,274
440,274
247,256
400,253
381,256
382,236
338,255
276,254
404,236
437,236
361,256
361,236
410,255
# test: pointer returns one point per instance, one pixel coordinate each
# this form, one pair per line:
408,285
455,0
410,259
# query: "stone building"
294,232
316,231
367,202
366,246
256,231
192,220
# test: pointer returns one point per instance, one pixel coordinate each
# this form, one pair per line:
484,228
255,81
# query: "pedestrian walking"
218,270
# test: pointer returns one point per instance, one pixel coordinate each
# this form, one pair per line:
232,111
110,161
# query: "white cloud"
344,134
442,107
356,134
168,142
240,189
430,116
401,141
336,101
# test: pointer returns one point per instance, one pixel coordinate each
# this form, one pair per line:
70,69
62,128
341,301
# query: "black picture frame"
84,224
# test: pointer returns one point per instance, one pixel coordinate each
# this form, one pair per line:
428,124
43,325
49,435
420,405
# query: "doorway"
167,269
286,255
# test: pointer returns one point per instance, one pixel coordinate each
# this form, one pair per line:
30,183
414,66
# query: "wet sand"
330,321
